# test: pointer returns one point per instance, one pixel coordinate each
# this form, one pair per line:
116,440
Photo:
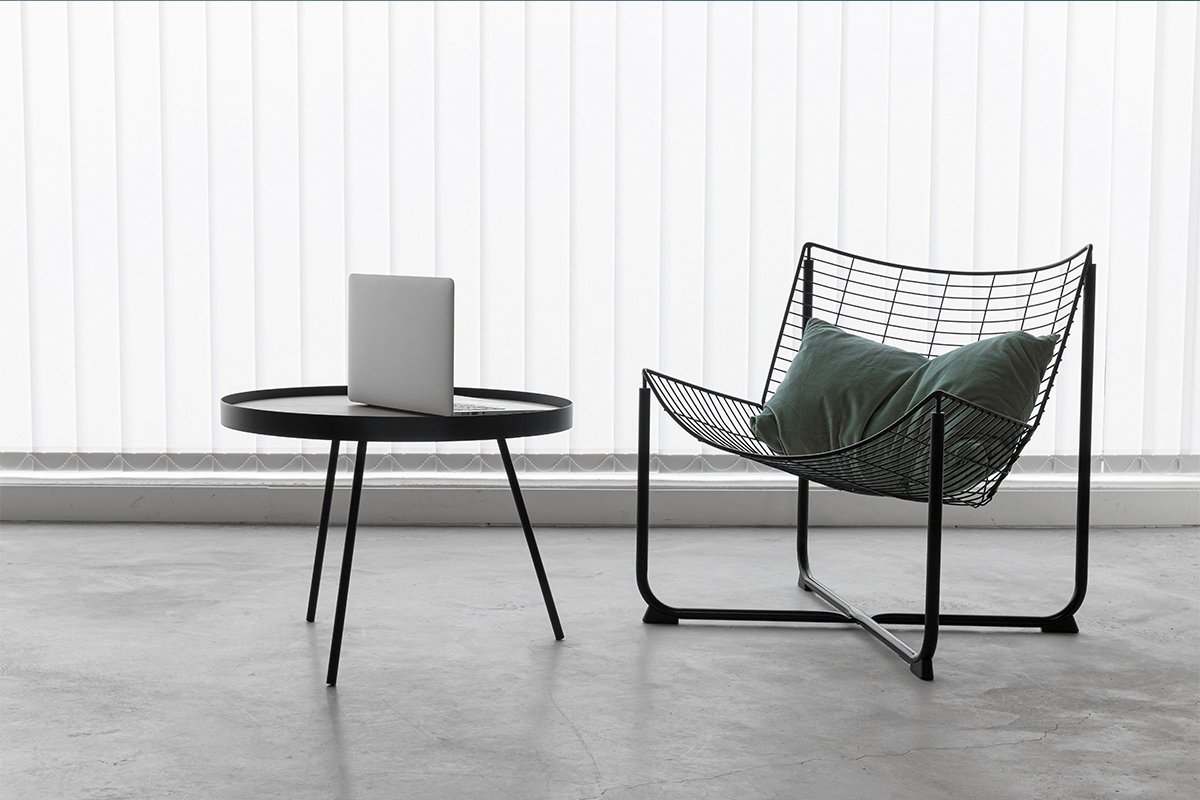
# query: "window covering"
184,187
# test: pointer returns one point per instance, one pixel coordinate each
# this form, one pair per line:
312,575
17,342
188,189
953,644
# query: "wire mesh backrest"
929,311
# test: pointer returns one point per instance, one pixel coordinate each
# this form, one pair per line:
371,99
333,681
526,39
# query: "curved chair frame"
892,303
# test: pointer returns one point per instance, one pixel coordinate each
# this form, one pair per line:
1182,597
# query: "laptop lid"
400,335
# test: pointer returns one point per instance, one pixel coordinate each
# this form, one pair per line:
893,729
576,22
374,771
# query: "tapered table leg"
339,616
533,548
319,558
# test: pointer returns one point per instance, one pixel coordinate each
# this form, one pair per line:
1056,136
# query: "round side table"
325,412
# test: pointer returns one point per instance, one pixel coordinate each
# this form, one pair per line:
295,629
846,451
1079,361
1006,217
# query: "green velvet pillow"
834,386
842,388
1002,374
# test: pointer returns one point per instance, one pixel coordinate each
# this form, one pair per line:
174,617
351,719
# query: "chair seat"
981,445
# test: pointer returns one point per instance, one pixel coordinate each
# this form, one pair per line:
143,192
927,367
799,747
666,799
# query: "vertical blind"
184,187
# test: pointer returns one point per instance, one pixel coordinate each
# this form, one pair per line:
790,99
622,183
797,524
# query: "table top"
325,412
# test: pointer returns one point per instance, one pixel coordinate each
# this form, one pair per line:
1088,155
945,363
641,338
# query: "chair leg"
922,664
1064,621
802,534
658,612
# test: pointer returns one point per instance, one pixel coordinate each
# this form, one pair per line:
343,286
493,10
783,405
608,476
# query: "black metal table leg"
323,530
339,616
533,548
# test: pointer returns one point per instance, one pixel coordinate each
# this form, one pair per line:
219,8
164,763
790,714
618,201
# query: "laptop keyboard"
473,408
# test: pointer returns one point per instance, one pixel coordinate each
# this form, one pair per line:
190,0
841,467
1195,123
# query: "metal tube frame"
920,661
339,614
323,530
532,542
339,617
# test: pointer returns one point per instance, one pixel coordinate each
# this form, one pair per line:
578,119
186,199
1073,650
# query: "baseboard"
702,500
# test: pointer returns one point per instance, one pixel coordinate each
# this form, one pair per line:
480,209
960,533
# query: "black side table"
325,412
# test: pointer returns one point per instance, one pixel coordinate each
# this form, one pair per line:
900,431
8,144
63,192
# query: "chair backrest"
930,311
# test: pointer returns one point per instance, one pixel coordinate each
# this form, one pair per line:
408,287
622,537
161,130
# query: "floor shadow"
340,776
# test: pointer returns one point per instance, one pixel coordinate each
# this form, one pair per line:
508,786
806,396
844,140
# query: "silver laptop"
400,333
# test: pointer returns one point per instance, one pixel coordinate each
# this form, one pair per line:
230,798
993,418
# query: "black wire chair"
926,311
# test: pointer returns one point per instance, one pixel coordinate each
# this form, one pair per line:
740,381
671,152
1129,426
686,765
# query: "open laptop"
400,333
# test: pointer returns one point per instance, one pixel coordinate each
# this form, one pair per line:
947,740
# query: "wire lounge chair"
926,311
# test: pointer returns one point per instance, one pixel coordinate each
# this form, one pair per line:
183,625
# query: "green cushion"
834,386
842,388
1002,374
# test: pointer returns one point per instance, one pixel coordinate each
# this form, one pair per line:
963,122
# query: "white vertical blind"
725,334
186,320
184,187
94,233
49,217
638,221
231,220
773,176
910,131
413,230
684,178
1043,97
818,122
593,222
276,122
139,190
457,206
548,269
323,194
863,122
16,352
502,203
1168,256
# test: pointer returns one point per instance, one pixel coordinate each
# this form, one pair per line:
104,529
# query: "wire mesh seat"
943,451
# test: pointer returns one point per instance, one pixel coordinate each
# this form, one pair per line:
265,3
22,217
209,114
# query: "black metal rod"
922,665
1064,620
532,542
853,614
1084,488
964,620
642,557
807,302
339,616
323,530
802,533
752,614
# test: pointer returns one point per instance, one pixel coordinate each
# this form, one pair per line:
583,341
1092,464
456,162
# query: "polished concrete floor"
146,661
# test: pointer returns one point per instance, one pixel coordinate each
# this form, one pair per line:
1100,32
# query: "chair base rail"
922,667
